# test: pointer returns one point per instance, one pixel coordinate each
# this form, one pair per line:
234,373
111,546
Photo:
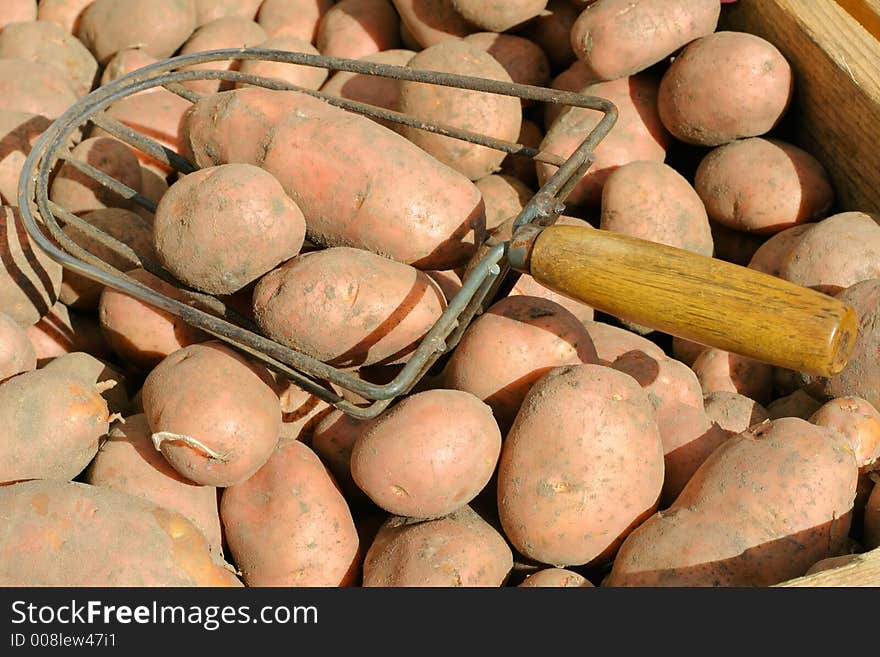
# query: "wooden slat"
864,571
866,12
836,108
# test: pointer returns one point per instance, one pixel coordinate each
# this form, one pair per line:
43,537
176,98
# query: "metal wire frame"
211,314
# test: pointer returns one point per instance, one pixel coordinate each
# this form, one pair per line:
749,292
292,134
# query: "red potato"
833,562
772,255
721,370
373,197
124,62
488,114
521,167
153,187
448,281
222,33
523,60
50,45
62,332
429,455
34,88
29,279
129,463
616,38
77,192
18,133
762,185
667,381
301,412
333,440
432,21
499,16
798,404
77,535
15,11
556,578
530,336
733,245
859,421
220,440
871,530
764,507
51,425
294,18
139,334
376,310
686,351
637,135
288,524
460,549
83,293
612,342
725,86
504,196
734,412
574,78
308,77
17,354
835,253
652,201
551,30
581,466
527,286
357,28
64,13
221,228
160,27
210,10
92,371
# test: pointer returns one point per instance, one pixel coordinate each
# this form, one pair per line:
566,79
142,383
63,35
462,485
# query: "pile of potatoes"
555,446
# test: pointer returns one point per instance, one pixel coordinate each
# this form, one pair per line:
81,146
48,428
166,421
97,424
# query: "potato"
308,77
835,253
766,505
488,114
519,166
29,279
504,196
17,354
80,292
221,33
523,60
551,30
160,27
611,342
722,370
637,135
129,463
508,348
574,78
139,334
667,381
685,350
124,62
762,185
349,196
725,86
796,404
429,455
556,577
64,13
295,18
499,16
448,281
356,28
432,21
78,192
332,440
61,332
771,256
301,412
50,45
858,421
871,530
221,228
581,466
14,11
652,201
33,88
732,411
52,526
371,89
460,549
89,370
616,38
288,524
832,562
51,425
377,310
526,285
733,245
210,10
18,133
153,187
220,440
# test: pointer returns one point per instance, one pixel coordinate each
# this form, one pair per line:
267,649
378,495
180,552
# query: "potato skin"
296,18
64,13
19,131
288,524
552,31
611,342
429,455
239,421
309,77
523,59
772,255
77,535
858,421
226,32
432,21
556,578
356,28
732,411
34,88
17,354
762,185
717,370
616,38
209,10
460,549
725,86
581,466
498,16
62,331
378,308
764,507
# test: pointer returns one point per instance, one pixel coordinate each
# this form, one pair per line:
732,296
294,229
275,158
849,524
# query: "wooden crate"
834,49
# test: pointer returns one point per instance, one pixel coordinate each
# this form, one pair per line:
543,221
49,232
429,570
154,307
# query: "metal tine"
110,182
149,146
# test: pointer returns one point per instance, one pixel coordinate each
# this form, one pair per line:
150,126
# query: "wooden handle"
695,297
